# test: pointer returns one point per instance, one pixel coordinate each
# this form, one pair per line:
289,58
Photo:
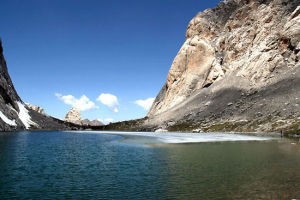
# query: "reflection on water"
68,165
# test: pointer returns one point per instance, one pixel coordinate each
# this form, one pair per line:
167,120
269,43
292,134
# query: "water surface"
114,165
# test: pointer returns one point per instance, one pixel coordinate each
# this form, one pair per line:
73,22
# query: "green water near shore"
73,165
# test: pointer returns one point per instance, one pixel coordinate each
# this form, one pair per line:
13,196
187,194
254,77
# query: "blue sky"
59,50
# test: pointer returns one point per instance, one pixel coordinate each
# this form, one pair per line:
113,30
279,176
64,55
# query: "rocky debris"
36,108
198,130
73,116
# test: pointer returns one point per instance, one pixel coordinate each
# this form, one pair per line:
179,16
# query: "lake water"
124,165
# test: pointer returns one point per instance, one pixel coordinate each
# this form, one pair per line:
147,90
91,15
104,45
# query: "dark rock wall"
10,110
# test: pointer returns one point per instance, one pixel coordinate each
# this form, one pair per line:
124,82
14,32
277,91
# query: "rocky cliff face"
73,116
14,114
232,52
36,108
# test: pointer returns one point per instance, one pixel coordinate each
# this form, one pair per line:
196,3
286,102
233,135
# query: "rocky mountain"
74,116
87,122
15,114
11,106
238,70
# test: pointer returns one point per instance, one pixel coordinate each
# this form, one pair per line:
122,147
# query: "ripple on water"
76,165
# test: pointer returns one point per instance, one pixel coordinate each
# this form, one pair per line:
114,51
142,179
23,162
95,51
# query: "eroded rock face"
73,116
253,40
36,108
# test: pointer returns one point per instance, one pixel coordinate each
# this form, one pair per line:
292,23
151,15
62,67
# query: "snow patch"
171,137
8,121
24,116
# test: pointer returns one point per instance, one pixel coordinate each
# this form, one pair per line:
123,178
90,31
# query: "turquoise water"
88,165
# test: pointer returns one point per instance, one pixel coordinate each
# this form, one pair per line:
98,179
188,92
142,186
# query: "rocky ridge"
36,108
16,115
74,116
95,122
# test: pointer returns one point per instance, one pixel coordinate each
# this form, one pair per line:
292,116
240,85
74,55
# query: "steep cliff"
15,114
239,64
73,116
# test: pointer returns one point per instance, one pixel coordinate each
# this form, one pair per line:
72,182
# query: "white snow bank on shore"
169,137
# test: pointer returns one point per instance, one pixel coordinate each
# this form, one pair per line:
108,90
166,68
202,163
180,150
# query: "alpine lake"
130,165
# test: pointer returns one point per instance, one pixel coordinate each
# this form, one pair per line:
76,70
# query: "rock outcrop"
14,114
73,116
232,53
36,108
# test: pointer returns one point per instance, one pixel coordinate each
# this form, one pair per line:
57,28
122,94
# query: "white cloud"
146,103
82,104
110,101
